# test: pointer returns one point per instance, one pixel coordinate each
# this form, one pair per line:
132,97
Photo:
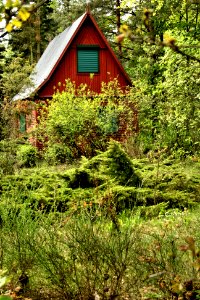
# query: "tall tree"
163,45
33,37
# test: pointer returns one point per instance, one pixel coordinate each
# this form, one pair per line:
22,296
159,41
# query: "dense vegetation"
108,207
107,226
110,179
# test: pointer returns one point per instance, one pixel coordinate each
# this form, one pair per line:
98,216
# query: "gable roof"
54,53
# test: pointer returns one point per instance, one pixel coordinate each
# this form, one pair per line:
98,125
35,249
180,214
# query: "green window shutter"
88,60
22,123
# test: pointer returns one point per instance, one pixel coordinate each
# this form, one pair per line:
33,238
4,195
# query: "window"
22,123
88,59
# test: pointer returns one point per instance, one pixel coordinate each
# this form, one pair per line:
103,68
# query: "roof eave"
87,14
63,52
110,49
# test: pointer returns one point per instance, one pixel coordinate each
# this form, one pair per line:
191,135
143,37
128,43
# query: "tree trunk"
118,14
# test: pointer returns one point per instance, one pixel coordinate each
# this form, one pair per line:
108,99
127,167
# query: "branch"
151,38
31,10
3,34
177,49
35,8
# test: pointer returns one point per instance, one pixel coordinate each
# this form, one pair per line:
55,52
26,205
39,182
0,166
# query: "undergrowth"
109,227
111,179
65,257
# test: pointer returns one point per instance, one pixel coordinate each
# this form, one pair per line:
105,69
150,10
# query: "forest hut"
74,54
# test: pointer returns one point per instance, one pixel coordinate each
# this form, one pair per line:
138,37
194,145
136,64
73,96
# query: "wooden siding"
67,67
88,35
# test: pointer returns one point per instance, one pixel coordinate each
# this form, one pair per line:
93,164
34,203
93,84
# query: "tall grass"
82,257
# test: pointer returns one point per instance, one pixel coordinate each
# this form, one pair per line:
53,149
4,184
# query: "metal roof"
49,59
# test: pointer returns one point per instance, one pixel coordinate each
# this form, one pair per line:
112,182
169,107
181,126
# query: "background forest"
90,217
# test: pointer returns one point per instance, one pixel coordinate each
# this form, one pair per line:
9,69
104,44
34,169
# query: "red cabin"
75,54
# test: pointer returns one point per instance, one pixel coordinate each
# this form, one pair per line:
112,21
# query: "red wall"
67,67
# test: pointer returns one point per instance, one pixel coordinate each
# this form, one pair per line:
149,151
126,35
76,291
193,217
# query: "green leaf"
8,4
3,281
4,297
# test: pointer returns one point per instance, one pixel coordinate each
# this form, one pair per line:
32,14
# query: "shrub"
85,122
7,163
110,179
81,258
8,159
27,155
120,166
57,153
100,253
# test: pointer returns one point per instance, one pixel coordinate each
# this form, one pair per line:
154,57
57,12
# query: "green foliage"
15,154
16,71
102,182
169,106
27,155
36,33
79,257
180,129
57,153
113,164
164,65
120,166
7,156
150,212
82,122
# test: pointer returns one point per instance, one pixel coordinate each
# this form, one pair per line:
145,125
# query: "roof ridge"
53,55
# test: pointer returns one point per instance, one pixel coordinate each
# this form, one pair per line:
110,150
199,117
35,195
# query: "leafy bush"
57,153
27,155
168,103
8,158
84,122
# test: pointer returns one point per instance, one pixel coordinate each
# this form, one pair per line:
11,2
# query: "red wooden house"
74,54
